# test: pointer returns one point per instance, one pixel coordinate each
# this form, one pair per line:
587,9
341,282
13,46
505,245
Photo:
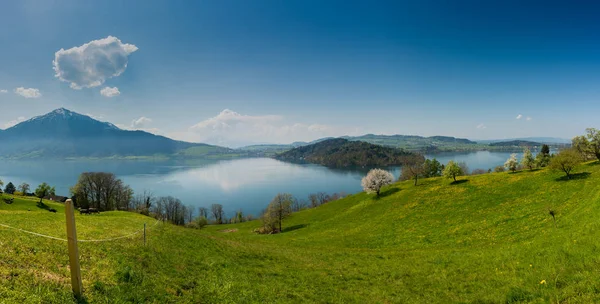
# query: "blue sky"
241,72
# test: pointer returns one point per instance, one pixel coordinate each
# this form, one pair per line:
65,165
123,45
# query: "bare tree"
24,188
413,168
279,208
203,212
217,213
101,190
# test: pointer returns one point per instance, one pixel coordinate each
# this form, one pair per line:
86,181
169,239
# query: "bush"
499,169
198,223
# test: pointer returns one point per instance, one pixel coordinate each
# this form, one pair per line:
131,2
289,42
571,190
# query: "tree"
593,136
464,168
528,160
203,212
142,202
542,160
217,213
583,146
103,191
512,163
545,150
10,188
432,168
376,179
44,190
413,168
499,169
566,161
24,188
1,185
279,208
452,170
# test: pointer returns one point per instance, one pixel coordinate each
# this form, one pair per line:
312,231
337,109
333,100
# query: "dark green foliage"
10,188
340,152
432,168
545,150
515,143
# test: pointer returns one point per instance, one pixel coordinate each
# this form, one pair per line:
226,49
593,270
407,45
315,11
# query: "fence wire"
83,241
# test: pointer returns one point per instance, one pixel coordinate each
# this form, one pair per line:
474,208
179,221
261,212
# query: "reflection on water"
248,184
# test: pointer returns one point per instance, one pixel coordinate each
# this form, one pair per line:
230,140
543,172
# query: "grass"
488,240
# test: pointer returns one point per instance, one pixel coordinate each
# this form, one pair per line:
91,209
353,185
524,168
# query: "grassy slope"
488,240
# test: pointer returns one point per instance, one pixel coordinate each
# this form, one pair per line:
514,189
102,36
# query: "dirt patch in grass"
228,230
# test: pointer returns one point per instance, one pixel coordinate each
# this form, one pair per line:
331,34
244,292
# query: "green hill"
487,240
339,152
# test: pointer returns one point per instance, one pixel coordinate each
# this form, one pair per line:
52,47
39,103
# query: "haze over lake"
248,184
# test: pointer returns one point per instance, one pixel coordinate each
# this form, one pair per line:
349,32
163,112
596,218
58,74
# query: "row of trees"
42,191
101,190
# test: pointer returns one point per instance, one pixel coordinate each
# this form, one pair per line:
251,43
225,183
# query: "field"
485,239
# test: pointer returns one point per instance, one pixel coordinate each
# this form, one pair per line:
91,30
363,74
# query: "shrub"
198,223
499,169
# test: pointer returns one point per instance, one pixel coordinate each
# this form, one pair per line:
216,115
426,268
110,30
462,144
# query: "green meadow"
485,239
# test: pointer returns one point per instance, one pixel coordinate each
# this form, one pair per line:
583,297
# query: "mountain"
542,140
339,152
63,133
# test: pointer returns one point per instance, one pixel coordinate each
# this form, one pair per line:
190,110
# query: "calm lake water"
247,184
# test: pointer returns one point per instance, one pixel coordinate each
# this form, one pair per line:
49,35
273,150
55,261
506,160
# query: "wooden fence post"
73,251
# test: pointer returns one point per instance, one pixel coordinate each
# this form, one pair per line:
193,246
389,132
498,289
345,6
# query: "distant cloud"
14,122
99,117
481,126
528,118
28,93
3,91
233,129
90,64
140,122
110,92
519,116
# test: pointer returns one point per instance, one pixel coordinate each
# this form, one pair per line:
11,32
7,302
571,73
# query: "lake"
248,184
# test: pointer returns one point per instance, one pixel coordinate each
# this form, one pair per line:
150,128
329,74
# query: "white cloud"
519,116
528,118
233,129
14,122
140,122
28,93
110,92
481,126
96,117
3,91
89,65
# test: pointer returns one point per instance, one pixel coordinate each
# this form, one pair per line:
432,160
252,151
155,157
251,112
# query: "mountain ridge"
64,134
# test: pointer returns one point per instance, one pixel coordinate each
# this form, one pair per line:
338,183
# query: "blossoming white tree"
512,163
375,179
528,159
